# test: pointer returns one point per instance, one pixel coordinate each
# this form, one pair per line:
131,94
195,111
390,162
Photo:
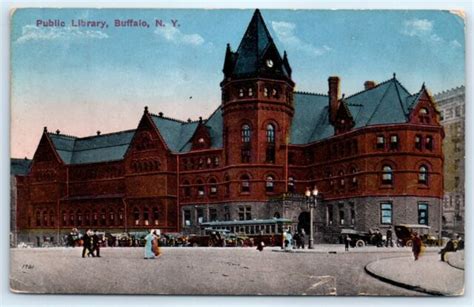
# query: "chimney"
160,114
58,131
333,98
98,132
369,84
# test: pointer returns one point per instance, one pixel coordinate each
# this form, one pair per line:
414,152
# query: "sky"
80,80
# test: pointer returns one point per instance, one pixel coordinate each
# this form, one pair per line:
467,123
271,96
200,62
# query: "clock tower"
257,100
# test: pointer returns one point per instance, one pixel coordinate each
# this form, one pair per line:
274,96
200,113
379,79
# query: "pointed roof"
255,45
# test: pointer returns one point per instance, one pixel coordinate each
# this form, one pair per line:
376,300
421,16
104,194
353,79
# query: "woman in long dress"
155,244
149,254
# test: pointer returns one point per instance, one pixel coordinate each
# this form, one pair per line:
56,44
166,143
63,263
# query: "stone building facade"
375,156
451,106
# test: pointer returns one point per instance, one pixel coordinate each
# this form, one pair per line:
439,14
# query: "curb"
452,265
403,285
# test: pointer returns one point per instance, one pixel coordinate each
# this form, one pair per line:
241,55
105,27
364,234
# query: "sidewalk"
428,274
456,259
340,249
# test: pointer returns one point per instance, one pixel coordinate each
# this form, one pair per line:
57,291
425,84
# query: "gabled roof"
310,120
92,149
177,134
382,104
19,166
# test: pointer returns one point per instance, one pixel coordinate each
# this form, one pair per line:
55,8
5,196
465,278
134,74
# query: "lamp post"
312,201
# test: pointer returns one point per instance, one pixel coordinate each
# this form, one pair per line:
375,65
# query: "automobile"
358,238
405,232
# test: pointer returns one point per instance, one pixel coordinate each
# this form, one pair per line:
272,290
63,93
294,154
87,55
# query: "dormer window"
241,92
250,92
201,141
269,63
423,111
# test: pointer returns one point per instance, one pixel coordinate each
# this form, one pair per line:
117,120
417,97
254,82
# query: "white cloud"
285,32
34,33
174,35
421,28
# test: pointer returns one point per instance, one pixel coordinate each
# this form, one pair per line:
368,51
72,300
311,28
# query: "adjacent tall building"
451,105
375,156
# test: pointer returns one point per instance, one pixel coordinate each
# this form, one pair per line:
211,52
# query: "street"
204,271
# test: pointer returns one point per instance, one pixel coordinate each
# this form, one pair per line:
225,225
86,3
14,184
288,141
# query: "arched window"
38,218
277,215
241,92
269,184
213,186
156,216
246,133
103,218
227,184
146,216
120,216
95,218
200,188
341,179
387,174
64,214
423,111
72,218
112,217
423,174
51,218
270,134
291,184
45,218
245,184
87,218
79,218
354,177
186,189
136,216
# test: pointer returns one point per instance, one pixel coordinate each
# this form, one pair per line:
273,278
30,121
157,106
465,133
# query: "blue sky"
83,80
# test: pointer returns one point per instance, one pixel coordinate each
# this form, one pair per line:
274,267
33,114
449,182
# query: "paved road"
206,271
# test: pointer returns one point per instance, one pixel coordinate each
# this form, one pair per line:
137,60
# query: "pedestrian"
96,241
297,240
450,247
149,254
156,243
302,238
389,241
416,245
347,241
260,246
86,245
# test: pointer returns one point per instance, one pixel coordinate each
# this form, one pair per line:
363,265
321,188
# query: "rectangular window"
429,142
212,214
380,142
423,213
457,111
386,213
394,141
341,214
248,213
187,217
352,213
330,215
245,154
418,142
270,157
199,215
226,214
241,213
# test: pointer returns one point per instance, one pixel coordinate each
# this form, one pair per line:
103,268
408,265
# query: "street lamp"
312,201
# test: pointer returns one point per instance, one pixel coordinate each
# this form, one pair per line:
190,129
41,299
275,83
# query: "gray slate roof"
92,149
19,166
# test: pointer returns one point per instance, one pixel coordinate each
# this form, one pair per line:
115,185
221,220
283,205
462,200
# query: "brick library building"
375,157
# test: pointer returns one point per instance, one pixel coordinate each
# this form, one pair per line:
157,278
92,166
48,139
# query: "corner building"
375,156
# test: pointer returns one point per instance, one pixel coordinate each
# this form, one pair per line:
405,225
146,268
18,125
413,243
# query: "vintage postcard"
237,152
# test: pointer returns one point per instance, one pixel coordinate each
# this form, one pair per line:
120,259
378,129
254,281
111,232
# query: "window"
418,142
216,161
72,219
386,213
156,216
291,184
64,218
199,215
227,185
423,174
423,111
269,184
136,216
38,218
457,182
265,91
45,218
246,132
212,214
429,143
186,189
245,213
241,92
341,214
341,179
213,186
187,217
352,207
394,142
120,216
51,218
457,162
245,155
112,217
245,184
103,218
423,115
226,214
250,92
354,177
330,215
241,213
95,218
387,174
457,111
457,146
380,142
200,188
423,213
270,133
270,153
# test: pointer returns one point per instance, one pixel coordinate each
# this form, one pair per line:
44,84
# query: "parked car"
405,233
358,238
